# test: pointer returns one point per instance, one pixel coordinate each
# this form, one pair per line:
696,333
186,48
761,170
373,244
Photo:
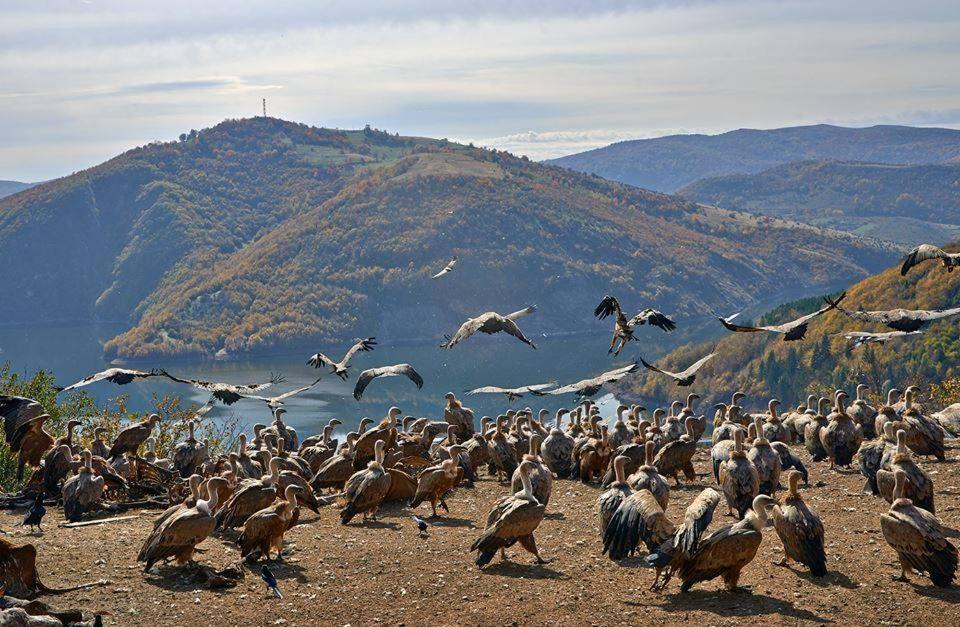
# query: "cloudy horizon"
84,81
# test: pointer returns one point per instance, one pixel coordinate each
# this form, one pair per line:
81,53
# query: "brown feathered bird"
491,322
513,519
366,489
623,328
800,530
434,482
130,439
918,539
264,530
23,420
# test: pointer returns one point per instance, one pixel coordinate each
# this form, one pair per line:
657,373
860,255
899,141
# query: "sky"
83,81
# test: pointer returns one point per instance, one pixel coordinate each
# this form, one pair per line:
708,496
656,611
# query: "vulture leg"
530,545
730,579
613,342
903,575
785,562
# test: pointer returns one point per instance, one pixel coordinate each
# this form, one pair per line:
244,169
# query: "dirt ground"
384,573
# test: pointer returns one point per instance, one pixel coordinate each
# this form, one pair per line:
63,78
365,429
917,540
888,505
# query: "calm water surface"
74,351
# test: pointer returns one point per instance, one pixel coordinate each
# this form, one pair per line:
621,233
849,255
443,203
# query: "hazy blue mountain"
901,203
260,234
12,187
669,163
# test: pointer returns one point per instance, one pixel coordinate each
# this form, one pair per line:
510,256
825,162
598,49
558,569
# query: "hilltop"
669,163
901,203
260,233
764,366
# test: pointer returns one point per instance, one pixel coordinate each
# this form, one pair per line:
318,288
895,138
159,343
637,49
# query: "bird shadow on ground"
281,570
376,524
950,595
178,579
519,570
447,521
632,562
732,604
833,578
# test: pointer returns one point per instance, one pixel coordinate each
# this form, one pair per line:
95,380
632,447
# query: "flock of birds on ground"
260,485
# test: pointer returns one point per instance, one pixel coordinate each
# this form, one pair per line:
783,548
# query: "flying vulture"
226,393
926,252
511,393
273,402
399,370
490,323
791,331
685,378
623,328
899,319
589,387
446,269
859,338
340,367
120,376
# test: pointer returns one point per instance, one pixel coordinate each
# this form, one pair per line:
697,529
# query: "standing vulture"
899,319
918,539
672,554
513,519
366,489
726,551
791,331
623,328
589,387
226,393
685,378
490,323
800,530
23,420
130,439
926,252
120,376
399,370
318,360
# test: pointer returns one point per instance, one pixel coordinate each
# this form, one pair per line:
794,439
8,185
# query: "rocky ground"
384,573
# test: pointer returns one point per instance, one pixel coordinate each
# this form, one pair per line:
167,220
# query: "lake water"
74,351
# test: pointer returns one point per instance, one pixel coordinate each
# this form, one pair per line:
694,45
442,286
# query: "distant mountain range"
8,188
764,366
260,233
669,163
901,203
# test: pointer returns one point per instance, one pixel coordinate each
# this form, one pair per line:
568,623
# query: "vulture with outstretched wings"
319,360
23,420
623,328
446,269
926,252
589,387
511,393
274,402
859,338
120,376
685,378
791,331
226,393
399,370
899,319
490,323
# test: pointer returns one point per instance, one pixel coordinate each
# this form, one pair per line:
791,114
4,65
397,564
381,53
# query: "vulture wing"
923,252
18,414
653,318
446,269
607,307
120,376
466,329
361,346
399,370
523,312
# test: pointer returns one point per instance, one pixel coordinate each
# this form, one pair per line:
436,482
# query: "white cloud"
538,78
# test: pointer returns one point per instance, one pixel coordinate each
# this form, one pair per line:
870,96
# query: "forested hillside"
669,163
764,366
260,233
903,203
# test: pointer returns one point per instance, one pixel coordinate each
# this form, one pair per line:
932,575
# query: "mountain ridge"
256,234
668,163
